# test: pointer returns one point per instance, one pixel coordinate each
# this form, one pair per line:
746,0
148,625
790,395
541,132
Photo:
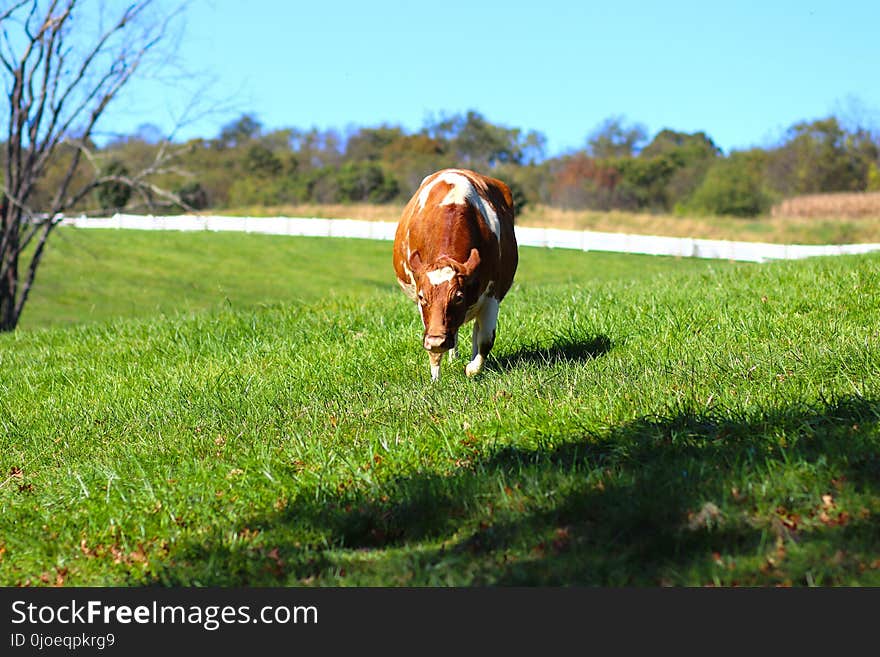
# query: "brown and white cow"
455,255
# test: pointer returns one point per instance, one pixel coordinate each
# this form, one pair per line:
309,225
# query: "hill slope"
642,422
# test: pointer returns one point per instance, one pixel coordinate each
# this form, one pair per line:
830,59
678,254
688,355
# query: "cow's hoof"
472,369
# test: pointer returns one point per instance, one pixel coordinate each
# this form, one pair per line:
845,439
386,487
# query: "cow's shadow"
563,348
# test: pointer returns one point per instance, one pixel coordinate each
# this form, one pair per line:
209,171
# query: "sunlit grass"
642,421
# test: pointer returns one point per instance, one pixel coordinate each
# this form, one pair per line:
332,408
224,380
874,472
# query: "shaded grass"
642,422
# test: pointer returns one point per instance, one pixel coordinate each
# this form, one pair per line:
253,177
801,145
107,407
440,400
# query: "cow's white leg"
436,359
483,335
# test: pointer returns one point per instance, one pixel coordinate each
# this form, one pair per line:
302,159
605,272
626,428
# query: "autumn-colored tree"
581,181
412,157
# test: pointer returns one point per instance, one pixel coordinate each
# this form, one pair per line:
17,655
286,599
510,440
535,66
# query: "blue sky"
741,71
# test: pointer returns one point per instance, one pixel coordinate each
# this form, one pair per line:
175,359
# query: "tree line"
618,168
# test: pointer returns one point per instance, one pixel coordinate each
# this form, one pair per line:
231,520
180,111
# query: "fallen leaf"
138,555
707,516
562,540
788,519
248,534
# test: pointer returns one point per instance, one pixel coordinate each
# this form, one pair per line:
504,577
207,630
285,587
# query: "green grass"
96,275
643,421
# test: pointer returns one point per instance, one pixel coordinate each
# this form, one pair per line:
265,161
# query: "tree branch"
53,89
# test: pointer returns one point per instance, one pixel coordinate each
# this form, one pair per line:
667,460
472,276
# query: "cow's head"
446,288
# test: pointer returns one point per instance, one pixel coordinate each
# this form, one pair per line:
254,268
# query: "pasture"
215,409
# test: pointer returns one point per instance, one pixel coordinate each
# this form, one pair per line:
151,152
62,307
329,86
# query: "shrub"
732,186
520,201
113,195
873,178
193,194
365,181
262,162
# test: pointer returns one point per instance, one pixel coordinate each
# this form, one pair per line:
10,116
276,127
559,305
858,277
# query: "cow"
455,255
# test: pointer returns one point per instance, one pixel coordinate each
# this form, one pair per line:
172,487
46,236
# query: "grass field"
217,409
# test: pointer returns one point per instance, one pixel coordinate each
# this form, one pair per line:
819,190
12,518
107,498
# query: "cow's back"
453,211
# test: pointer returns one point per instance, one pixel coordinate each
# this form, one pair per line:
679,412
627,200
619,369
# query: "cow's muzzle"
438,343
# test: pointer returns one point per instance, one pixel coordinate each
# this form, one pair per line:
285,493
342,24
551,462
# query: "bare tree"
63,63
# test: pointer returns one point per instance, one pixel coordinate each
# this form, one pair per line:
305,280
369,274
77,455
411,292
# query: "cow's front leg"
453,353
483,335
436,358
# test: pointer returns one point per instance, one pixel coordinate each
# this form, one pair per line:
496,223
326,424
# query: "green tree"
115,193
316,149
820,156
365,181
370,143
193,194
262,162
733,186
645,180
613,138
873,182
684,147
690,156
240,131
479,144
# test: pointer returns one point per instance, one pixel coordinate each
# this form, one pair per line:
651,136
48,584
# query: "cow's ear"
415,263
472,263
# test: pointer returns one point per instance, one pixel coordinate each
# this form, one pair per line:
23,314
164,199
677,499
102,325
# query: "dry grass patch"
364,211
849,205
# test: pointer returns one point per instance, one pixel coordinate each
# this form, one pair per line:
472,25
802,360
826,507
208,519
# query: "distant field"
862,205
214,409
798,227
96,275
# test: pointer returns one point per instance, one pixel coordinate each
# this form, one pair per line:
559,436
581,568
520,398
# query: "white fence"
584,240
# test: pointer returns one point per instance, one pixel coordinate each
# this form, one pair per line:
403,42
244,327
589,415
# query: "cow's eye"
458,297
422,298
